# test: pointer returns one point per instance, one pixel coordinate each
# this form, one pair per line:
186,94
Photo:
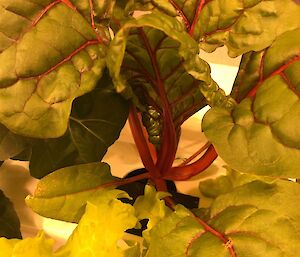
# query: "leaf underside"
95,123
10,144
9,221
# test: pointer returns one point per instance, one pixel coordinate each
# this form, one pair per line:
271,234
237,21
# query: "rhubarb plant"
73,72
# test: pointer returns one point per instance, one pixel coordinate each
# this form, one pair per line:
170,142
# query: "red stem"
126,181
144,152
44,11
181,14
92,13
198,11
188,160
66,59
281,69
141,142
69,4
290,83
115,183
227,242
49,6
151,147
168,143
188,171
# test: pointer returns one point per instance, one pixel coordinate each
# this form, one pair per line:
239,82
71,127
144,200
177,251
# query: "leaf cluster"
73,72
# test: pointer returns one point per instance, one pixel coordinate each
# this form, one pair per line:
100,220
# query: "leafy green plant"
72,72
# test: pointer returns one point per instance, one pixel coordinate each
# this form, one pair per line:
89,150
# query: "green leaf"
255,219
97,13
50,55
259,218
63,194
100,230
10,143
9,221
95,123
261,134
248,74
245,26
242,26
101,9
154,61
212,188
151,206
29,247
99,233
7,246
171,236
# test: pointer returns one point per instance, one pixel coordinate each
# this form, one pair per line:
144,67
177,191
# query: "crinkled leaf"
154,60
9,221
261,134
49,54
10,143
100,229
7,246
98,234
38,246
255,219
63,194
151,206
242,26
95,123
